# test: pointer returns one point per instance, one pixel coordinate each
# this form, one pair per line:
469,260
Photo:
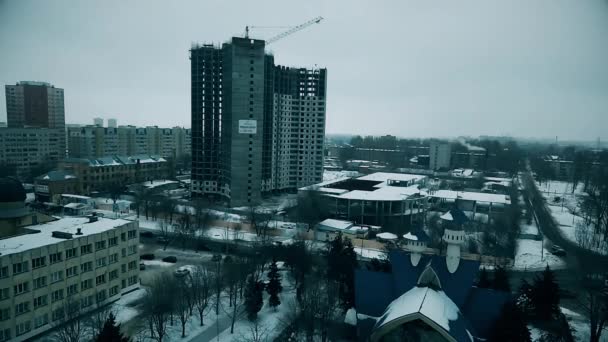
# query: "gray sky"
408,68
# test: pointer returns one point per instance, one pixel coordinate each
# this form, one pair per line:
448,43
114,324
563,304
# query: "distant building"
49,186
3,125
98,122
100,173
257,127
26,148
46,268
99,142
385,199
112,123
34,104
440,156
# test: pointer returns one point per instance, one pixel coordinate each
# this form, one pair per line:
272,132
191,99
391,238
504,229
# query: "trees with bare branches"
158,305
202,283
70,326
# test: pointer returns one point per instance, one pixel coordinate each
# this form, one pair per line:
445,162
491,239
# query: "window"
56,295
72,289
40,301
70,253
123,268
4,272
132,234
113,274
132,249
124,252
132,280
101,262
100,279
4,293
38,262
114,258
86,302
71,271
21,288
22,328
99,245
86,249
56,276
20,267
101,296
41,320
132,265
113,241
5,335
55,257
22,308
39,282
86,284
57,314
123,237
5,314
113,290
86,267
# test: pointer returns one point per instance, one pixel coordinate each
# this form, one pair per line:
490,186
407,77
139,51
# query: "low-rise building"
99,174
75,264
49,186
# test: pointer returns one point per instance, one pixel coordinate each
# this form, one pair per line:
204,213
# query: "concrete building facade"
26,148
99,142
34,104
439,155
252,123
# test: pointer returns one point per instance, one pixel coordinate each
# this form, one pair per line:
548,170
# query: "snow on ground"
331,175
580,325
568,222
123,308
528,257
367,253
221,233
157,263
528,229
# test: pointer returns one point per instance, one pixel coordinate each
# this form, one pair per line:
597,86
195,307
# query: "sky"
407,68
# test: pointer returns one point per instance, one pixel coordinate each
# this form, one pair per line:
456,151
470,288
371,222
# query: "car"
170,259
184,271
216,258
146,234
142,266
556,250
162,239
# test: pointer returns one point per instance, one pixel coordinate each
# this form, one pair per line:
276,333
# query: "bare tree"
96,320
168,206
182,302
202,217
158,305
71,327
166,233
594,302
202,282
255,333
311,208
318,306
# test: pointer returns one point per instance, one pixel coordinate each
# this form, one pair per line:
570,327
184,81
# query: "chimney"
78,231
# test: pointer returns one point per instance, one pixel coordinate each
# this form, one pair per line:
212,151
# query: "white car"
184,271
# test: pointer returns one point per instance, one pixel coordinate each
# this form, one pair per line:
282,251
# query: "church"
427,297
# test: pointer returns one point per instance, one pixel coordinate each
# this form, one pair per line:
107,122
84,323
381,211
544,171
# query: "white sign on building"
248,126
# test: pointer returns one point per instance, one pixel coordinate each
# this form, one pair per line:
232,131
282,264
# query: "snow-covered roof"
386,176
75,205
472,196
335,224
386,193
433,305
75,196
387,236
70,225
157,183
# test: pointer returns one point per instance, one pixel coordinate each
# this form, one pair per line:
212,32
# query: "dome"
11,190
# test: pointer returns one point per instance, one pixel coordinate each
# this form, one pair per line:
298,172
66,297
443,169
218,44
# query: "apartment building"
256,127
34,104
26,148
98,174
440,154
98,141
66,265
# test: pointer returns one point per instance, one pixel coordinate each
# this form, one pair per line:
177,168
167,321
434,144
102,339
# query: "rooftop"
472,196
21,243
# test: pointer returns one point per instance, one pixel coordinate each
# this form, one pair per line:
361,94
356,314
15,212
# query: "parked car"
556,250
170,259
162,239
184,271
142,266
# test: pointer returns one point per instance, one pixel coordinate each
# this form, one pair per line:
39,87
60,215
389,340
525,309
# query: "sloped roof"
56,176
455,215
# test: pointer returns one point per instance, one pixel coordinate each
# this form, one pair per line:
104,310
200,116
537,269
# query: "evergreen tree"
484,279
274,285
524,298
253,298
501,280
545,295
111,331
341,262
511,326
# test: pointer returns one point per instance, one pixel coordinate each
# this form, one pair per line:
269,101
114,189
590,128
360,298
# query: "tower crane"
292,29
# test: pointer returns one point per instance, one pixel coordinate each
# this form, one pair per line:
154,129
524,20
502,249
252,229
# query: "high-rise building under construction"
257,127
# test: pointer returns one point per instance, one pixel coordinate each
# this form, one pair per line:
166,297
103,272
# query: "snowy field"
367,253
529,257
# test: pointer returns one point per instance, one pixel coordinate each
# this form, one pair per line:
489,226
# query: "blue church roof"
374,291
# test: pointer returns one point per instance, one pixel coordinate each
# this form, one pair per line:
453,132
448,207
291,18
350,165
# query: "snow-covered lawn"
124,307
568,222
528,257
157,263
580,324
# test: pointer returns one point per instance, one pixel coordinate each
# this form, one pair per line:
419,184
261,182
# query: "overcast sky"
408,68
